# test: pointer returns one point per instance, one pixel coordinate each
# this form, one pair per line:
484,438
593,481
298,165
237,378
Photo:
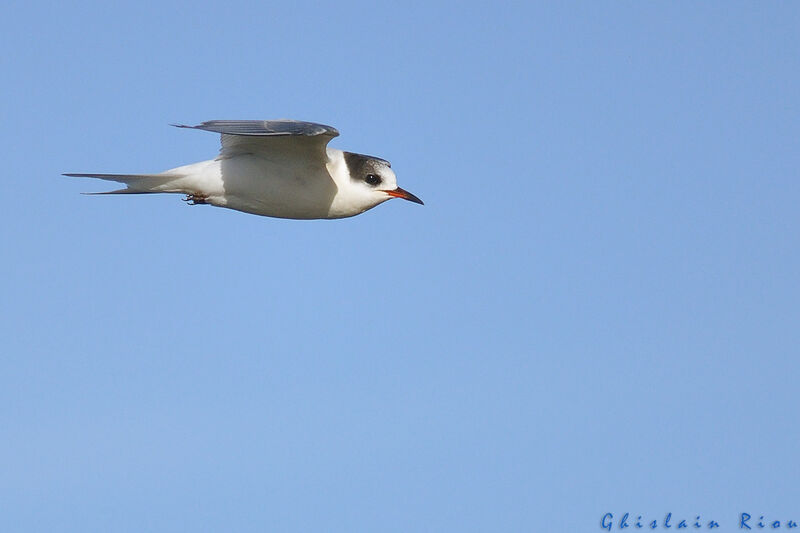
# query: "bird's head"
369,181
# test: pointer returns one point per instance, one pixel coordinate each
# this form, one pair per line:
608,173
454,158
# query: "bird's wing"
271,138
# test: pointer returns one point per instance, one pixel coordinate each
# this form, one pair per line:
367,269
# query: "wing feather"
265,128
271,137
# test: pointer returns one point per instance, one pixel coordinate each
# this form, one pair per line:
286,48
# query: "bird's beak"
405,195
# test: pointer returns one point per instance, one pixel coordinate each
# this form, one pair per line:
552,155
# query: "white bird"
276,168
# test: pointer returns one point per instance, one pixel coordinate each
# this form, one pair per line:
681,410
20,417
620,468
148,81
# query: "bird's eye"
373,179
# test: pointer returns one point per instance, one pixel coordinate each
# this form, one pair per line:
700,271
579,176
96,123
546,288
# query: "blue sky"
595,311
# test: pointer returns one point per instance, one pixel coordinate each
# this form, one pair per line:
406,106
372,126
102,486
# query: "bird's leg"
195,199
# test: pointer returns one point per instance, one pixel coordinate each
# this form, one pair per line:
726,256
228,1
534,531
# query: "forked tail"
137,183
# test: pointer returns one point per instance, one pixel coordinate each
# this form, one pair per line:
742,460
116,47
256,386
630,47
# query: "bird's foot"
195,199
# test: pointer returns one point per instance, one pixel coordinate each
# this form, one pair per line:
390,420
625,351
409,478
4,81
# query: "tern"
276,168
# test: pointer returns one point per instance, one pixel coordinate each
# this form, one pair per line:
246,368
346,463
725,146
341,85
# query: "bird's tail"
138,183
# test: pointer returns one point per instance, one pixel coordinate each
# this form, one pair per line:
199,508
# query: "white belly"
259,186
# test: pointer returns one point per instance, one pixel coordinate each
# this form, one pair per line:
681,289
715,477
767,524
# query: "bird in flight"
276,168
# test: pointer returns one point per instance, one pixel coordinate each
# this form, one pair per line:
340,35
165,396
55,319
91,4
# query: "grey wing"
266,128
271,137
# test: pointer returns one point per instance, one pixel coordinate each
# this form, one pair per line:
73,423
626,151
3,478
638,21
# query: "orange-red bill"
405,195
